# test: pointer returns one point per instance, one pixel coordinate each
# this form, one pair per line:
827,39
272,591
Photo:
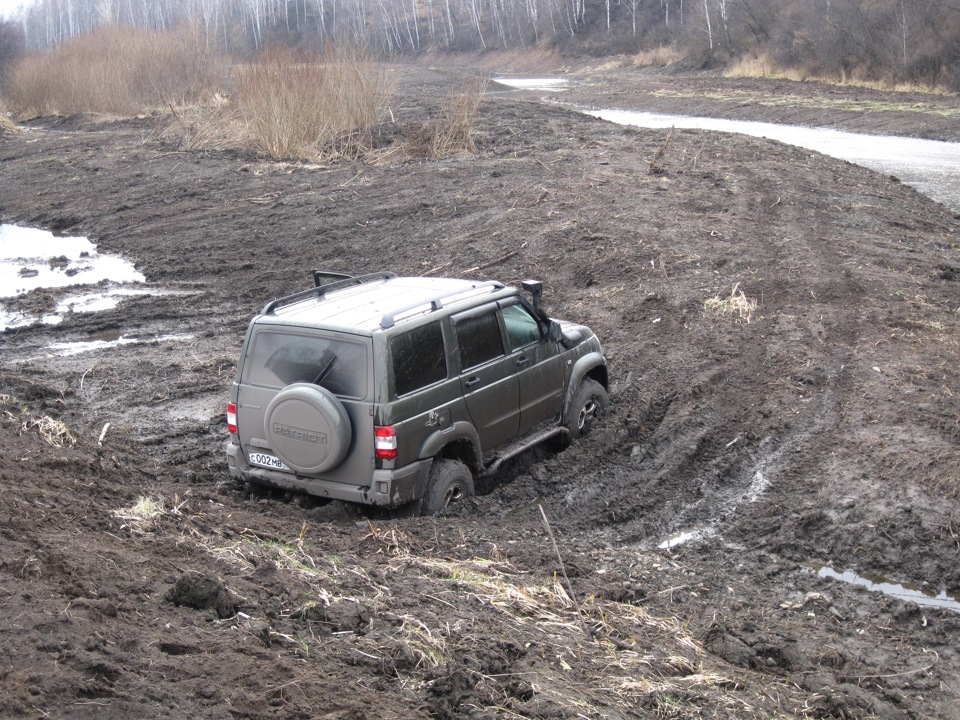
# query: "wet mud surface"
824,432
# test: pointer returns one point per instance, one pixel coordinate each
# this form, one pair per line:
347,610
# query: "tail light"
232,418
385,442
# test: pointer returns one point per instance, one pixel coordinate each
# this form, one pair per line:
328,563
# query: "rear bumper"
386,488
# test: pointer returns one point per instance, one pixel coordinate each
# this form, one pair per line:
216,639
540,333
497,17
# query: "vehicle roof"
366,307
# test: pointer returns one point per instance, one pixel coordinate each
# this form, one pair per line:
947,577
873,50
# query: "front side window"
522,327
479,339
419,358
278,359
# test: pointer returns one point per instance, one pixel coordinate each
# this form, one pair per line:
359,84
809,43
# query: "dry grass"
310,108
54,432
656,57
118,70
736,304
619,656
762,66
454,131
144,514
6,124
213,125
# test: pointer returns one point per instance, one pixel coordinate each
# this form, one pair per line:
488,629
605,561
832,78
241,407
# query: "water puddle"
108,340
930,166
32,259
685,536
878,583
541,84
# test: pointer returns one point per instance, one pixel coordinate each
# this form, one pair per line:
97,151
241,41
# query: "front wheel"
450,482
588,404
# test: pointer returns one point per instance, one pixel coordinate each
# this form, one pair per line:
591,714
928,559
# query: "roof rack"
327,282
424,307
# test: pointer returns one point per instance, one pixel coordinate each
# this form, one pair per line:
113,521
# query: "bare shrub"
454,130
119,70
660,56
304,108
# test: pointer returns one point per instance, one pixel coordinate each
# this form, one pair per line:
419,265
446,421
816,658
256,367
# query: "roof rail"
424,307
321,290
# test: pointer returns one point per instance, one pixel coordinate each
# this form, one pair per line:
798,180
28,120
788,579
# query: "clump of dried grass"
144,514
737,303
453,133
310,107
118,70
656,57
54,432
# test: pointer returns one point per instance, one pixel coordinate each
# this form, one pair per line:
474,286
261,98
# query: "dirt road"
782,335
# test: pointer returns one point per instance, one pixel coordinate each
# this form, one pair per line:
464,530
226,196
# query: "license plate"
268,461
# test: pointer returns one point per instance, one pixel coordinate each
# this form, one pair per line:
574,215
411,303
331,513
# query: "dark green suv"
386,390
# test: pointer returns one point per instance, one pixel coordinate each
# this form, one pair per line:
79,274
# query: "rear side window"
479,339
419,358
278,359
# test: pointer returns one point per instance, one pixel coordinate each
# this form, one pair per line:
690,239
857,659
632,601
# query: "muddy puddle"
526,83
105,341
901,591
33,259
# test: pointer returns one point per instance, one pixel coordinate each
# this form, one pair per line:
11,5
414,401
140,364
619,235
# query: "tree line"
894,40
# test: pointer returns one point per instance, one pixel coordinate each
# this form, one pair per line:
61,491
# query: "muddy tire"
450,482
588,404
308,428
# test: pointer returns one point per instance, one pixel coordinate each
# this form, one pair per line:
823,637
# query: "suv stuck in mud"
385,390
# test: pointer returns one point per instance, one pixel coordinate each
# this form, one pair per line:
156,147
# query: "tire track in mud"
729,427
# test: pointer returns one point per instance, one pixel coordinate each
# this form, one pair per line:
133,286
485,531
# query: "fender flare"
459,431
579,371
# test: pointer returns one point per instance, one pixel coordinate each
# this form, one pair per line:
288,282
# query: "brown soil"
824,431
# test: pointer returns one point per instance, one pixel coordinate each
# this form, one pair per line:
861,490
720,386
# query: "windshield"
278,359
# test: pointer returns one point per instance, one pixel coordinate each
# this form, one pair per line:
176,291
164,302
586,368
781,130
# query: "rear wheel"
450,482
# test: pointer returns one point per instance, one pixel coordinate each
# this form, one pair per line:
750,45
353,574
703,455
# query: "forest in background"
891,41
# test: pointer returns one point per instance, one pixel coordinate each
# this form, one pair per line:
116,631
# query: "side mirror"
572,338
553,331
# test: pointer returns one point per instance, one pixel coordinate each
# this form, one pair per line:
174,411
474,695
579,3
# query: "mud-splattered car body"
385,390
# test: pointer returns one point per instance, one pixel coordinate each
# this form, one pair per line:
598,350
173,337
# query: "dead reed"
308,107
117,70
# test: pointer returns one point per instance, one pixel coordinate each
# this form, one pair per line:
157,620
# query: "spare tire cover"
308,428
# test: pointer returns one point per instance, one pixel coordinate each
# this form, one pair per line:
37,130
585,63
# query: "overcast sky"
7,7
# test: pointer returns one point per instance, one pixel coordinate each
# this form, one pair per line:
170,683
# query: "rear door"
488,376
278,356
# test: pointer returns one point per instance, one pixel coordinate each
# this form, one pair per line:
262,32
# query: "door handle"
521,362
472,382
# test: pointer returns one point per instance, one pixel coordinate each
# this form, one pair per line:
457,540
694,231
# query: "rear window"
279,359
419,358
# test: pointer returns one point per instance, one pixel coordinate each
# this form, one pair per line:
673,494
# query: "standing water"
31,259
930,166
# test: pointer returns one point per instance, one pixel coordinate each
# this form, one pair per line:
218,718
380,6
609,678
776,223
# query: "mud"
820,427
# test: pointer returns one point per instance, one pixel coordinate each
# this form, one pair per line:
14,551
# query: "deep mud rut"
823,432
